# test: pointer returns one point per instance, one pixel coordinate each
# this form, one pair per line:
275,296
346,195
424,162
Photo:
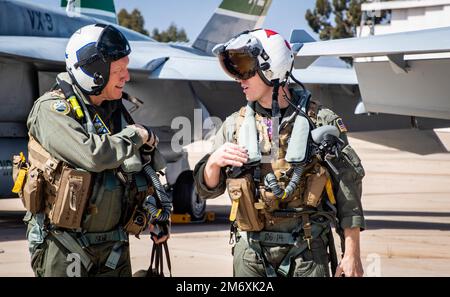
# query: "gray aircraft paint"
402,73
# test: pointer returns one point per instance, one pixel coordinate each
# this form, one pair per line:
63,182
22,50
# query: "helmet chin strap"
275,106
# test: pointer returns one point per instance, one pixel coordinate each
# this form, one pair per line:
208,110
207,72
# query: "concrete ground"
406,197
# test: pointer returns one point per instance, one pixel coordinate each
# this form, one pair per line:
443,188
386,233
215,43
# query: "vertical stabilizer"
231,18
99,9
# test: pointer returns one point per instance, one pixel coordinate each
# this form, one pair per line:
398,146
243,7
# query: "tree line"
135,21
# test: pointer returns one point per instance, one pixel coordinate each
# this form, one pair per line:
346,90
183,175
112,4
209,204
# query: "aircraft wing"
326,75
415,42
402,73
48,54
45,51
170,62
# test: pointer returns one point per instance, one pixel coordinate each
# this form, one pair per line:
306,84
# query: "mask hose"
270,181
163,214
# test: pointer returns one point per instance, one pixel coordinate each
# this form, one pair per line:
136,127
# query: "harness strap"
88,239
256,246
76,243
293,253
114,256
307,229
72,246
316,231
118,235
156,267
299,244
272,237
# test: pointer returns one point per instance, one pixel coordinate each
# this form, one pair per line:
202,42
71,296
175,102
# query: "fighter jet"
182,87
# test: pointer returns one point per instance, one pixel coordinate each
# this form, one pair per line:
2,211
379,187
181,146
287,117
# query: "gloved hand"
148,136
153,139
160,232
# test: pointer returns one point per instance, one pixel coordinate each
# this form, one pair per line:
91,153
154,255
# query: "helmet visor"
112,44
238,64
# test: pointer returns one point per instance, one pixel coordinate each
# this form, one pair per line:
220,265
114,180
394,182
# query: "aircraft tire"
186,199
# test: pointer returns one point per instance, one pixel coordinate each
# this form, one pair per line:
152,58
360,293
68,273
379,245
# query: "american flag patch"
341,125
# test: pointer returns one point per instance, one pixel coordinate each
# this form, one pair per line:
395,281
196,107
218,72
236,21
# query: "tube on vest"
298,143
248,135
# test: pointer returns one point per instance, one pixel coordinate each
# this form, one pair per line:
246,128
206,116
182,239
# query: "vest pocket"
32,195
315,184
242,194
71,198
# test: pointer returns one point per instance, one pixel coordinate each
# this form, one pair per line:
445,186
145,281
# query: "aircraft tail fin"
104,10
231,18
298,38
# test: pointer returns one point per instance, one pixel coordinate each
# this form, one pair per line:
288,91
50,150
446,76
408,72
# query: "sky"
192,15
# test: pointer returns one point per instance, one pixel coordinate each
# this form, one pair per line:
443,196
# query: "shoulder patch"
340,125
60,106
100,126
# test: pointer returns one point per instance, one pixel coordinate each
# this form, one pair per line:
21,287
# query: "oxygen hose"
271,182
163,214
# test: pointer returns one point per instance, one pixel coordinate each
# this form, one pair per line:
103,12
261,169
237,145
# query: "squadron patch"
61,106
341,125
100,126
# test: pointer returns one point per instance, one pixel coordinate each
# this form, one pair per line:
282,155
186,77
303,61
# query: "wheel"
186,199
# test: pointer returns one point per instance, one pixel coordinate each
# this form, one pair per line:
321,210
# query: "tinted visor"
112,44
238,64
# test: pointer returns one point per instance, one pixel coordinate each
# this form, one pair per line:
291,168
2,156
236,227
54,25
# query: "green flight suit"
248,257
53,124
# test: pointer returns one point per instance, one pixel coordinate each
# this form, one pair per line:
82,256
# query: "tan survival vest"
250,213
47,184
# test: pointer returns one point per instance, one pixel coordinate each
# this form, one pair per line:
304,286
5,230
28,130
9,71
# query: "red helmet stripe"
270,33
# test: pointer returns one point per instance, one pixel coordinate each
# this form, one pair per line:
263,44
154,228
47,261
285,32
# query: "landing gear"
186,199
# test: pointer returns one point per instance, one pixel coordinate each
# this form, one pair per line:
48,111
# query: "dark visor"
238,64
112,45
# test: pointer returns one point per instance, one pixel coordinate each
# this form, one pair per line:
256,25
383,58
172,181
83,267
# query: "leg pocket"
310,269
314,262
38,260
246,263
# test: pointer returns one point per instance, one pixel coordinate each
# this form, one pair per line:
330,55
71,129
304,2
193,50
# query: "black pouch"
352,161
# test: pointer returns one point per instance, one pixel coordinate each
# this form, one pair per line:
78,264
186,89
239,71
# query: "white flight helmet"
89,54
259,51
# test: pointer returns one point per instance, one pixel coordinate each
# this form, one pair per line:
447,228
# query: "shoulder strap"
313,109
41,159
239,120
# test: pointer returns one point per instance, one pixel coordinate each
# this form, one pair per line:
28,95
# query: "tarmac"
406,198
